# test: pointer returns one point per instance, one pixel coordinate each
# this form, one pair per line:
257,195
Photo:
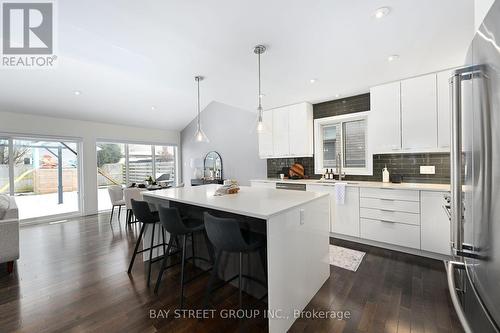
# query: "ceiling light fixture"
312,80
153,108
393,57
199,135
381,12
258,50
77,92
337,95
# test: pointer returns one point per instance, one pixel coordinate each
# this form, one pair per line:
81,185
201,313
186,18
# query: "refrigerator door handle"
451,266
456,162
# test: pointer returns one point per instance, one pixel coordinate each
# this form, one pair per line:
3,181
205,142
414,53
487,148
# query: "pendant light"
199,136
260,49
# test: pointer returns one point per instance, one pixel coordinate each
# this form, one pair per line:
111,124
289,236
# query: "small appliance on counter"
396,179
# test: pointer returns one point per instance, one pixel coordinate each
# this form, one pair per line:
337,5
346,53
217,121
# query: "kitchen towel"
340,193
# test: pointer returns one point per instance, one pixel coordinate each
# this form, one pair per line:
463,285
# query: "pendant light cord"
260,94
198,81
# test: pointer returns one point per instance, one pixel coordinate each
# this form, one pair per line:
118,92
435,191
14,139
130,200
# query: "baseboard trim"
392,247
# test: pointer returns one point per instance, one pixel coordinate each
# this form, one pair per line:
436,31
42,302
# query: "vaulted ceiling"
134,61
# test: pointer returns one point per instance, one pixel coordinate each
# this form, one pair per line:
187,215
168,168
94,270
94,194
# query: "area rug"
345,258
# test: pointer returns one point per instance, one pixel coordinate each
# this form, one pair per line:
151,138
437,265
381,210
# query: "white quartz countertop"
256,202
402,186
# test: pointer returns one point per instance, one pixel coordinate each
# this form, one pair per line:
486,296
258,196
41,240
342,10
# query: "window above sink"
345,135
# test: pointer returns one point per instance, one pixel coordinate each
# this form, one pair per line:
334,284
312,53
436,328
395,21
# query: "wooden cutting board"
297,170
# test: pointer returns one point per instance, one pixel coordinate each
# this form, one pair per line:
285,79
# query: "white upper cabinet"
289,132
300,129
412,115
281,132
419,113
266,149
384,126
444,108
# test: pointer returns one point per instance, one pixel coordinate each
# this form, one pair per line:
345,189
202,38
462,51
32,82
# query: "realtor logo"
28,29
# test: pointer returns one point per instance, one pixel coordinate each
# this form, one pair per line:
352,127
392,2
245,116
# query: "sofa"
9,231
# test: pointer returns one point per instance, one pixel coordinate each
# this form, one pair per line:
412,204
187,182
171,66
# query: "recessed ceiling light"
153,108
77,92
381,12
337,95
313,80
392,57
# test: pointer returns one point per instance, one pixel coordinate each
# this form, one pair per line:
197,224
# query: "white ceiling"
126,56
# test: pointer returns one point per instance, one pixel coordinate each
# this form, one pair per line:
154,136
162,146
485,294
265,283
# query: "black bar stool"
144,214
226,236
176,226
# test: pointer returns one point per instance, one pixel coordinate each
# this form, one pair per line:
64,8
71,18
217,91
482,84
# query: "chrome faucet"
338,163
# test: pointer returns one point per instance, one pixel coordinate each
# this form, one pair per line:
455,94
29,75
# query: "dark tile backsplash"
406,165
358,103
275,166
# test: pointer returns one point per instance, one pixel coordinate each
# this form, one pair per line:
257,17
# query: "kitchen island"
296,225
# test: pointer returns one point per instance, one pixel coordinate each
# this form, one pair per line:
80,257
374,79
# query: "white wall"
231,134
481,8
89,132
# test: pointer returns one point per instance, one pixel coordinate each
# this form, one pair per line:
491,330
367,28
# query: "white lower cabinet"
344,217
435,229
391,216
391,232
413,219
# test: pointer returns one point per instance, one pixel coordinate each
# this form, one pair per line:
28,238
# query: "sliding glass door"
42,174
124,164
4,166
140,163
165,157
110,170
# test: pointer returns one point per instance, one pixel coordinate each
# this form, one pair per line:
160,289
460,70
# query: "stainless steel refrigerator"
474,276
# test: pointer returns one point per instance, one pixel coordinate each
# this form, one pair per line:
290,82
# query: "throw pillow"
4,205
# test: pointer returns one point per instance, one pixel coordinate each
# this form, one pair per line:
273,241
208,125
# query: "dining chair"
116,196
130,193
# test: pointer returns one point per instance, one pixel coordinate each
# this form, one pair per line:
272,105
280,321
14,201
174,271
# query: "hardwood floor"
72,278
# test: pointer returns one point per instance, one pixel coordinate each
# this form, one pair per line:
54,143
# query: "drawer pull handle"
387,210
384,199
386,221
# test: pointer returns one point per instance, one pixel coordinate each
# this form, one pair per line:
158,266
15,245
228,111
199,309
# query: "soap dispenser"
385,175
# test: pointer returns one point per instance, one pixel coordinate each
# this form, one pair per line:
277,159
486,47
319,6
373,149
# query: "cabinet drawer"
390,215
392,233
384,193
390,204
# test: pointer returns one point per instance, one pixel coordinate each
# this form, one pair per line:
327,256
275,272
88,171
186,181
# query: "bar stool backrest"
142,212
224,233
171,220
